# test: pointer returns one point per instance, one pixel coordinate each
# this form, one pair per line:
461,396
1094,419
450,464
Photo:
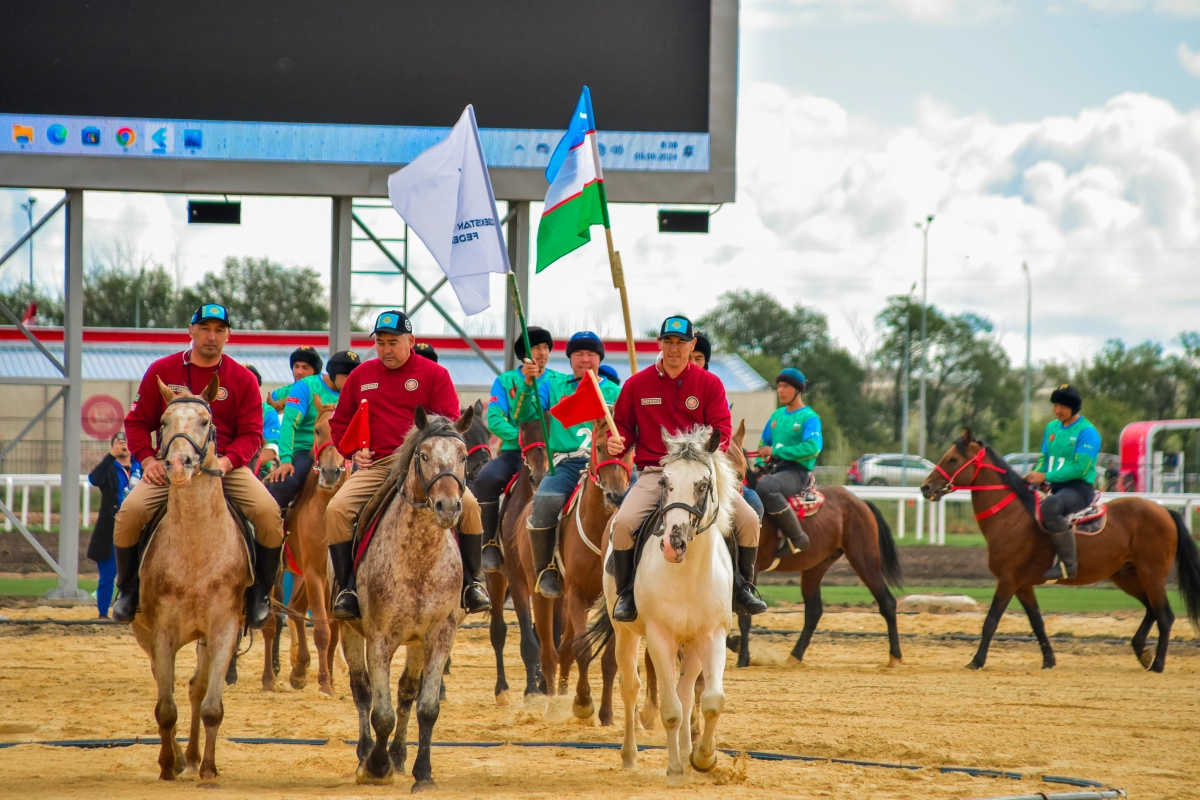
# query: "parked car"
888,469
1022,463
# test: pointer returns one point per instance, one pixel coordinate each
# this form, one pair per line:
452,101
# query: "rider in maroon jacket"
672,395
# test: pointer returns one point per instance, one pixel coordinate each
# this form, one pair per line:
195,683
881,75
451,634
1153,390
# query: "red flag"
358,432
30,314
586,405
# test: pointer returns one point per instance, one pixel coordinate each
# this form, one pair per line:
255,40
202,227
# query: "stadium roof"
123,354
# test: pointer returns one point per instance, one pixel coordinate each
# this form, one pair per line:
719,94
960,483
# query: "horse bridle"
698,513
594,467
980,464
200,451
446,473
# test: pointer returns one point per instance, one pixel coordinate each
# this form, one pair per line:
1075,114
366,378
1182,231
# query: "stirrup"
752,603
787,547
346,605
474,598
537,585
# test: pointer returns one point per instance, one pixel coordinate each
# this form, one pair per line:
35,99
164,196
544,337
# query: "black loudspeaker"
214,212
683,222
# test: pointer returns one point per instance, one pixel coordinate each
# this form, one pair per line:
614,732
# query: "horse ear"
210,392
967,436
420,418
280,405
317,401
168,394
739,436
478,408
464,422
714,441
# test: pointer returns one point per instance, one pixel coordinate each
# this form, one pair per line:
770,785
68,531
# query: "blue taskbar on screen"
329,144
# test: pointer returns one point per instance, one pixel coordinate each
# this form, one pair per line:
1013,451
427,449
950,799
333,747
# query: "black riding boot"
542,541
1065,567
625,609
474,596
258,596
745,596
792,538
489,514
125,608
345,606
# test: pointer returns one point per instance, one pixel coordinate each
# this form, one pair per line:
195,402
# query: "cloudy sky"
1063,135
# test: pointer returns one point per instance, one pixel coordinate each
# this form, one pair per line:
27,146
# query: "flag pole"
618,276
537,400
608,417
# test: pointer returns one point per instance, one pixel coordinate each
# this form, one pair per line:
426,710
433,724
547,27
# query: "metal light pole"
907,370
924,433
1028,350
28,208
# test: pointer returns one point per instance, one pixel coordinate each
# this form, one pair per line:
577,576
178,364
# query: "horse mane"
692,445
437,426
1013,481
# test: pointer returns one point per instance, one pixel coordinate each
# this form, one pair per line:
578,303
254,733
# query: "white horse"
684,589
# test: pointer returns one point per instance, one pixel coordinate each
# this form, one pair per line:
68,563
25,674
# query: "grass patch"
1051,599
35,587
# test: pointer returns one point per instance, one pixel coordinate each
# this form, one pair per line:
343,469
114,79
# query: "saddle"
243,525
372,512
1087,522
802,507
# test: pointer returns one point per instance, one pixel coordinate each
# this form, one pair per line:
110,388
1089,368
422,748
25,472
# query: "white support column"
921,520
86,489
68,531
901,506
942,523
518,259
47,492
339,275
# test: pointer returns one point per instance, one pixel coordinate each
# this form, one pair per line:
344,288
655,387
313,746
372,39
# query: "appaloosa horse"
194,574
535,462
684,593
310,551
580,536
1135,549
409,587
846,525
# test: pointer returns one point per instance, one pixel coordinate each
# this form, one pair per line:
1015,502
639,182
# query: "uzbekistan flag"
575,201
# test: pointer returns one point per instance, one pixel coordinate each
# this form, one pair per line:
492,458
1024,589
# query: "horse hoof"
583,712
167,774
1159,668
792,661
426,785
699,766
363,777
1049,663
1146,659
894,662
675,778
502,698
327,689
974,666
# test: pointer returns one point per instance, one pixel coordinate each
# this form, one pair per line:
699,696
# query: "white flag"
445,195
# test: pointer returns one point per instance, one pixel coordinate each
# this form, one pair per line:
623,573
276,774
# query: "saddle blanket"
804,509
1087,522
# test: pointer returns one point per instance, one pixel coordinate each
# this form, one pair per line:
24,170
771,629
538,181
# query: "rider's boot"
792,538
541,542
625,609
489,513
1065,566
474,596
125,608
345,606
746,599
258,596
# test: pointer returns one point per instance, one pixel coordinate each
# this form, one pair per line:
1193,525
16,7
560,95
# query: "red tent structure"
1137,450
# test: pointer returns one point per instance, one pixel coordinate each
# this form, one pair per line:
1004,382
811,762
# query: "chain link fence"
39,456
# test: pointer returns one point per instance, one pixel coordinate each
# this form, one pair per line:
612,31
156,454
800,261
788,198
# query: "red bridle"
980,464
320,449
478,447
594,467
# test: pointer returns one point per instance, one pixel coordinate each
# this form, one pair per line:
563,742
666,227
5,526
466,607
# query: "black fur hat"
1067,395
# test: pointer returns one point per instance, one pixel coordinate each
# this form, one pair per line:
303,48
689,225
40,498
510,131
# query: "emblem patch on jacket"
411,384
367,386
222,394
692,403
652,401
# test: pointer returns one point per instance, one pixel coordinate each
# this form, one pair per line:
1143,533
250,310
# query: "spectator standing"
115,475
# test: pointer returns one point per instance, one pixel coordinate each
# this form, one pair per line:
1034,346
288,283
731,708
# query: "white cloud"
765,14
1175,8
1188,59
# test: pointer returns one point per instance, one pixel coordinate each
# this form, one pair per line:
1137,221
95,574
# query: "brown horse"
479,451
845,525
535,462
1135,549
194,573
409,586
310,550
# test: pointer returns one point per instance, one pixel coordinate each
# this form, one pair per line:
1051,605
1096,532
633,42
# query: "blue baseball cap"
794,378
585,340
392,322
211,311
677,325
608,372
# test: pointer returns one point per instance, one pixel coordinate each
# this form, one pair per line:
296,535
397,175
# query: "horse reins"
200,451
980,464
446,473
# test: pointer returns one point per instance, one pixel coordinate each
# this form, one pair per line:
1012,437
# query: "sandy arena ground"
1098,716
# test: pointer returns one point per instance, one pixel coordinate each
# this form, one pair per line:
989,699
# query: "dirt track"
1098,715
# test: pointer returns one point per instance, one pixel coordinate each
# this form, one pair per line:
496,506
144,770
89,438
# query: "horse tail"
893,574
591,642
1187,562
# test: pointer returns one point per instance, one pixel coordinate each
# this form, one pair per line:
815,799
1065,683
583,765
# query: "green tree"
263,295
49,309
114,297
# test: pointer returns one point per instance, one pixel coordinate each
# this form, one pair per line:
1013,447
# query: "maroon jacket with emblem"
650,401
237,411
392,397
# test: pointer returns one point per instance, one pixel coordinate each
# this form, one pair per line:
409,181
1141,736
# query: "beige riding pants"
643,498
241,487
344,506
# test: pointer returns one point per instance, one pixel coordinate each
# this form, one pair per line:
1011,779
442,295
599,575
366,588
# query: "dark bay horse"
1135,550
477,437
845,525
535,463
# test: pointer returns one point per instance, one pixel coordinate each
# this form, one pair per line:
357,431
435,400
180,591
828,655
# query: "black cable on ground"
757,755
